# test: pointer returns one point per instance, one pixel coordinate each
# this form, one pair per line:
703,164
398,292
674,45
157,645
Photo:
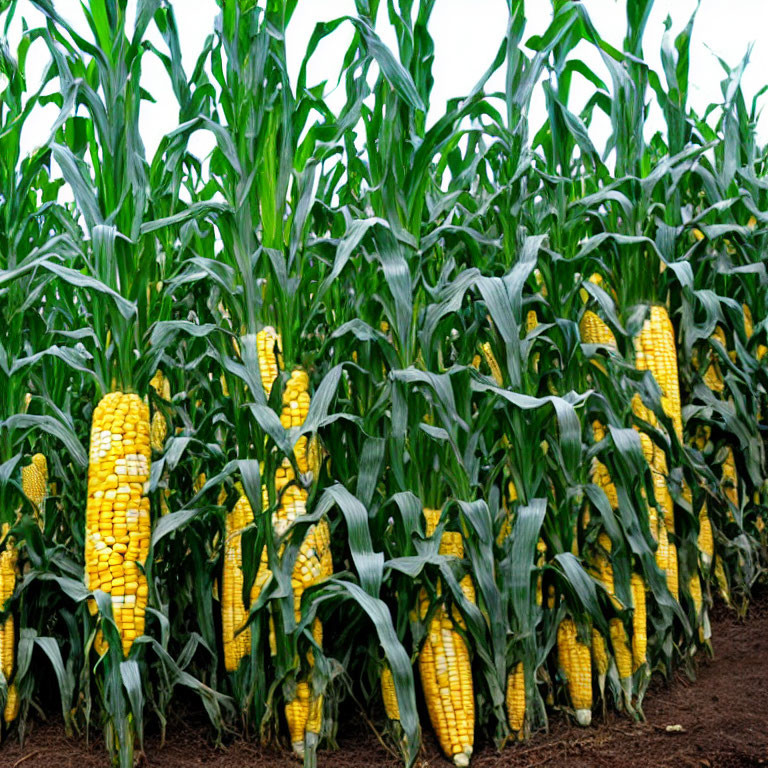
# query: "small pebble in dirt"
675,729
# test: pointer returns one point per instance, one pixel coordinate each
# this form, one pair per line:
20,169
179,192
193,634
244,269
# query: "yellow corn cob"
713,376
34,480
159,428
729,480
639,622
389,695
314,562
233,611
600,474
117,527
492,363
594,330
749,329
722,581
694,587
600,657
541,549
656,352
444,664
621,651
531,321
476,360
516,699
270,361
7,635
576,665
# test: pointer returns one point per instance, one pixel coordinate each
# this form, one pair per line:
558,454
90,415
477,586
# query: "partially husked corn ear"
516,699
531,321
639,622
492,363
159,428
749,329
729,478
444,663
269,350
576,665
619,640
7,634
600,658
34,480
694,587
389,694
118,526
656,352
234,613
621,650
713,376
601,477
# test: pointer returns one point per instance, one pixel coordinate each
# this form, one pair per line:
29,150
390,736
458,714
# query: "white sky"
467,34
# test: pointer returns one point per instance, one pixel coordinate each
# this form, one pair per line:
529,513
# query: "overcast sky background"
467,34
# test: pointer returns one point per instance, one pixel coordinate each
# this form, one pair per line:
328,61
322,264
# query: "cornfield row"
457,422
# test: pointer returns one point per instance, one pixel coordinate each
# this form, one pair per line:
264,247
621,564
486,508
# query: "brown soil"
723,719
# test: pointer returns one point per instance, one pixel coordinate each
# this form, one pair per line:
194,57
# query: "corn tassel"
576,665
444,664
117,528
516,699
7,634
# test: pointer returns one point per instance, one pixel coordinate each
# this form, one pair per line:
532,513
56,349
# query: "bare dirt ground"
723,717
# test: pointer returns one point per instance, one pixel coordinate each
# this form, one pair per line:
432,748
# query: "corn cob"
621,652
304,710
269,348
541,557
159,429
7,635
233,611
619,639
600,657
531,321
444,664
713,376
34,480
729,479
492,363
389,694
601,477
576,665
655,351
516,699
595,331
639,622
118,524
749,329
722,580
694,587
